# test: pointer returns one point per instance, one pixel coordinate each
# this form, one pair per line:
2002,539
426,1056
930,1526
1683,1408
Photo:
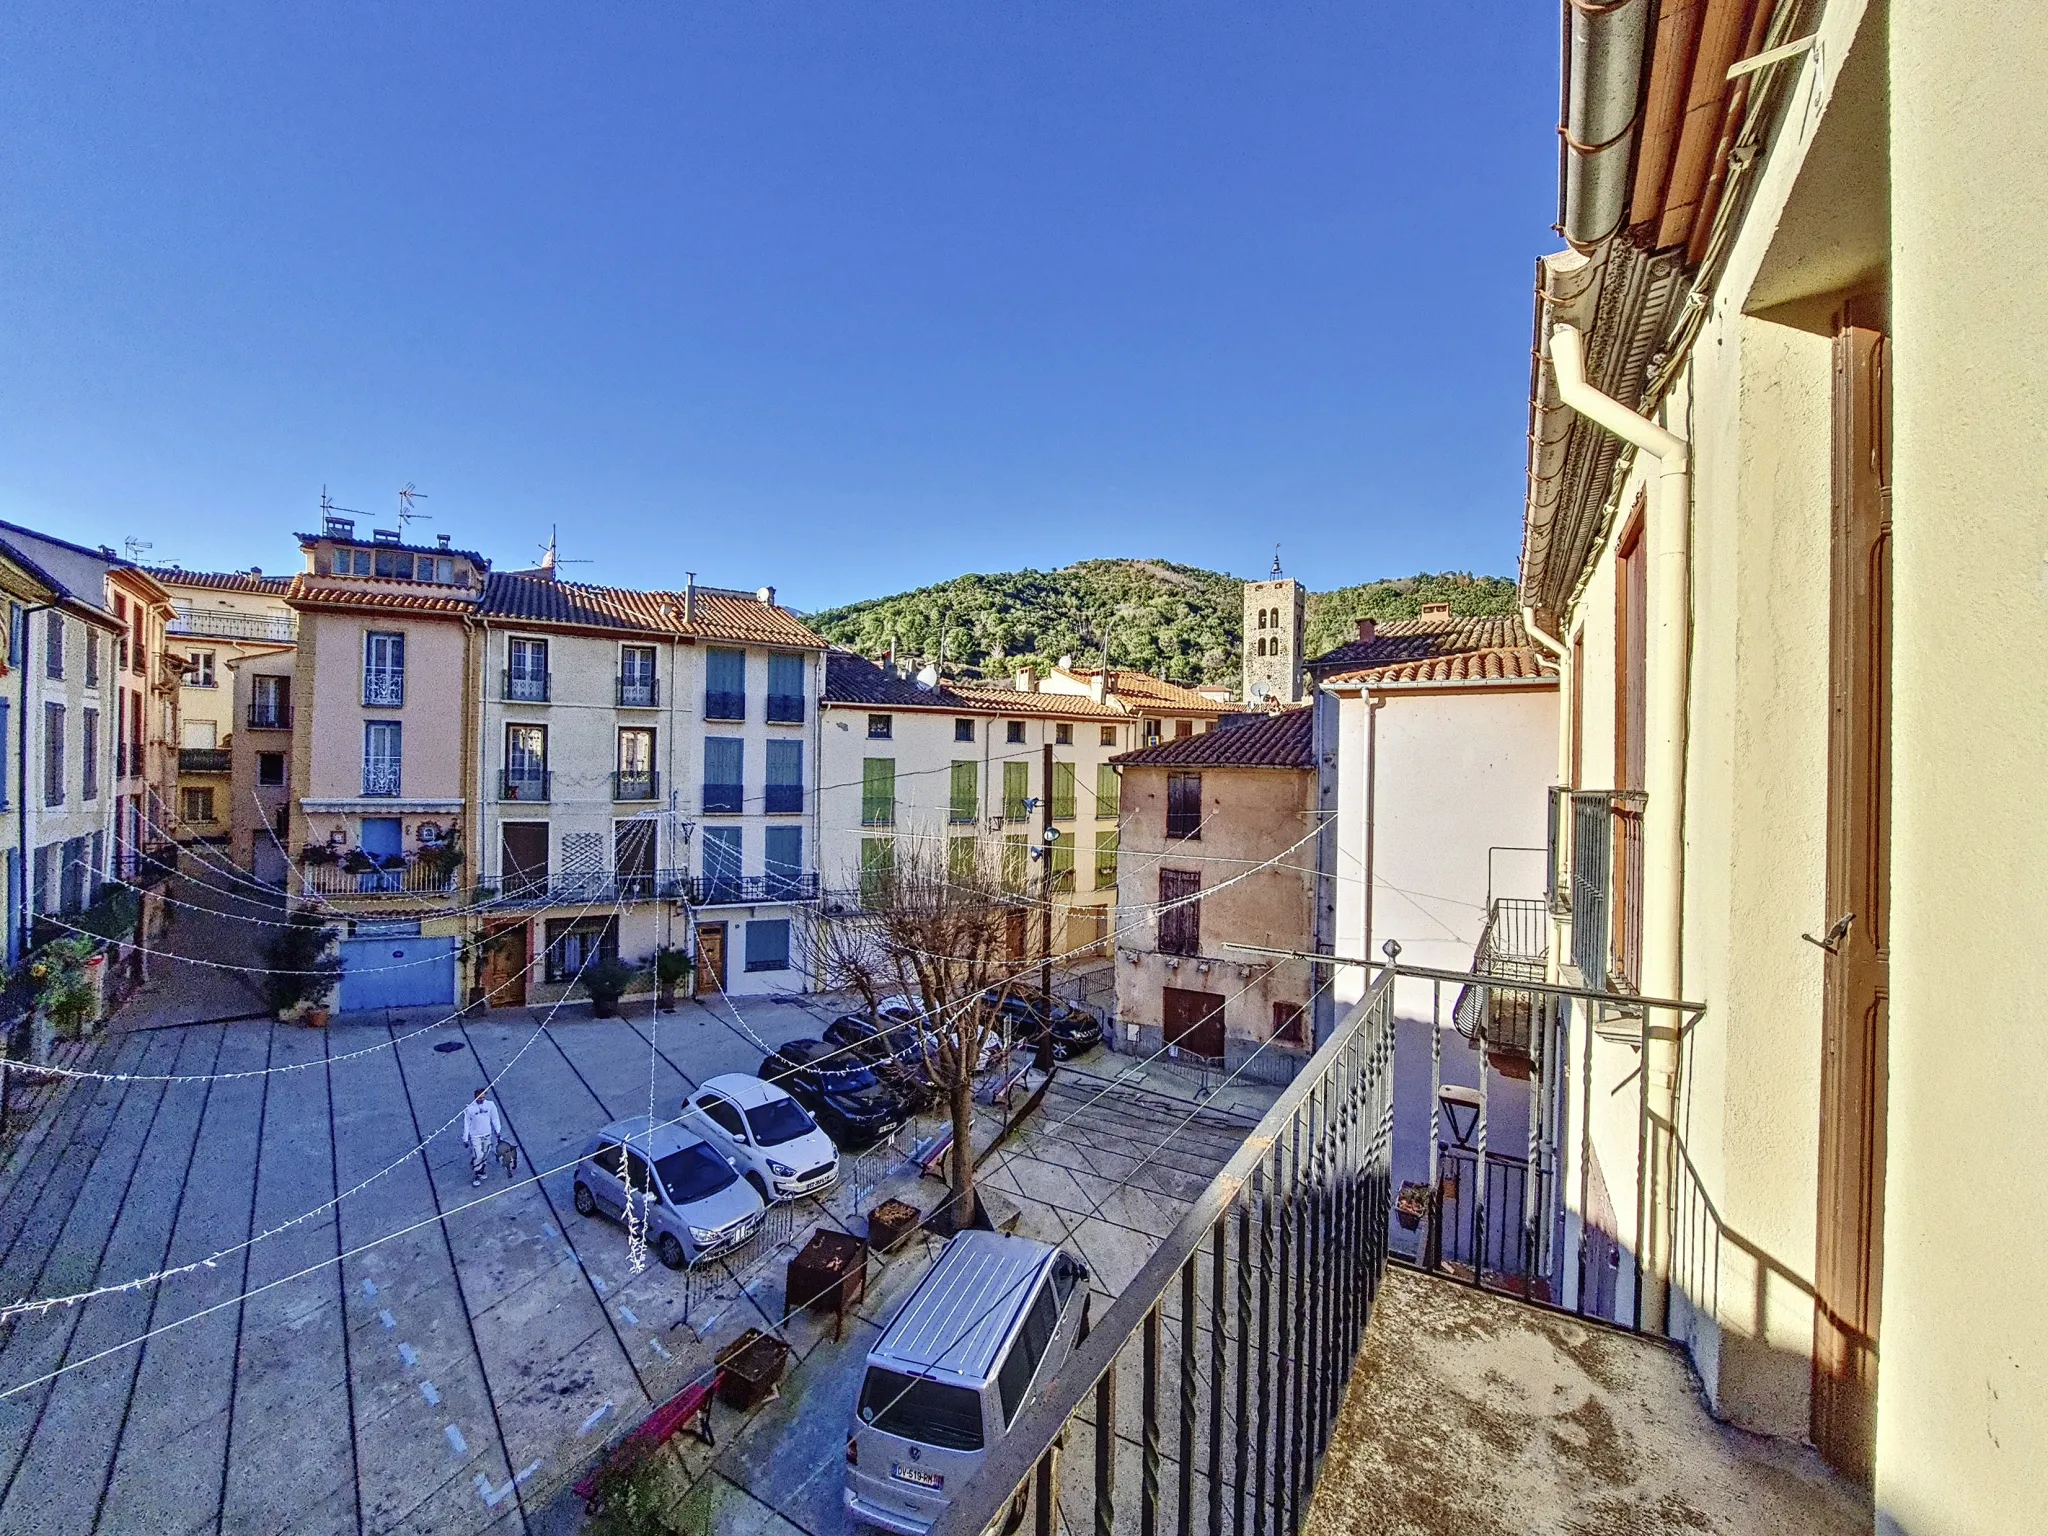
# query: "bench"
660,1426
999,1086
930,1152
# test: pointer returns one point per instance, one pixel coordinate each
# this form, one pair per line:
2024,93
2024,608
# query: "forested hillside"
1176,621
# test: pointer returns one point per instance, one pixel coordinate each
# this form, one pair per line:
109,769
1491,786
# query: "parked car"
1074,1030
988,1325
849,1101
693,1200
895,1053
899,1009
765,1134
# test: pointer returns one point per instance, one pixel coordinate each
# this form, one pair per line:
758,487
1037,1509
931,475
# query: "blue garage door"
397,973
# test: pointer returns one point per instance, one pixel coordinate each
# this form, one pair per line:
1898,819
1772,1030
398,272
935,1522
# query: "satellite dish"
1261,692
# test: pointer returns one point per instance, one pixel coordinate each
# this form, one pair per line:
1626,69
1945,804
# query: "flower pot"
665,997
317,1017
604,1007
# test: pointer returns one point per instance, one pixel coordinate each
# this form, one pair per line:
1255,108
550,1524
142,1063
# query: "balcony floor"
1474,1415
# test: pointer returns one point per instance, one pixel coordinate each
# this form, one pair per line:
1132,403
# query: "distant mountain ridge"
1175,621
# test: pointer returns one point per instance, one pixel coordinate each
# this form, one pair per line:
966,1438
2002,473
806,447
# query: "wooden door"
506,954
710,979
1194,1021
1850,1253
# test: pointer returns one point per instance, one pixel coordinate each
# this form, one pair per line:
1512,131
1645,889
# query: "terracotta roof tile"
305,592
1469,649
995,699
1146,691
221,581
854,680
720,615
1280,740
308,540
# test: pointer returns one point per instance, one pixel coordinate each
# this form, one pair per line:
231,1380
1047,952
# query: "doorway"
523,857
1194,1021
507,953
710,973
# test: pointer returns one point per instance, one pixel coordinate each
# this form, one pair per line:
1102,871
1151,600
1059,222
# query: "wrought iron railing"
725,706
524,783
381,779
204,760
1514,947
636,786
392,877
743,890
639,693
384,690
526,687
225,625
604,887
1262,1291
1607,886
270,717
785,709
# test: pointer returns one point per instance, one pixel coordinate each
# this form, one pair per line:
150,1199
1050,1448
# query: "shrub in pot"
65,991
605,981
301,965
672,967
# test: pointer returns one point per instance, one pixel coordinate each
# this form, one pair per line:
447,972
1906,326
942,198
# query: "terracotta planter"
665,997
316,1017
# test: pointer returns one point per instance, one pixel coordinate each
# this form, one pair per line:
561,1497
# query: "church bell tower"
1275,612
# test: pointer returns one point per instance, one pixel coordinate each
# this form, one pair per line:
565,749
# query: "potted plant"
301,966
443,858
672,967
605,981
67,993
316,853
357,862
1410,1204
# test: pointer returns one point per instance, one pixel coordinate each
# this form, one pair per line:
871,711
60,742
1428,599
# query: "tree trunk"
963,1155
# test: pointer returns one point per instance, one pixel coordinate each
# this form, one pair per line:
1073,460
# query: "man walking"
481,1129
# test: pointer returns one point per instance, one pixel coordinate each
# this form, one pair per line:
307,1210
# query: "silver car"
693,1200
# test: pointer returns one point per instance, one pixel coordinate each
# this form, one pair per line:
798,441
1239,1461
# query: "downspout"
1373,705
1664,767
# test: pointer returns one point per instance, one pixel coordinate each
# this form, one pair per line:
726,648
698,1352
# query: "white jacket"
480,1122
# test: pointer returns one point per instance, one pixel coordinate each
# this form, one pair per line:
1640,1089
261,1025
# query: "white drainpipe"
1664,767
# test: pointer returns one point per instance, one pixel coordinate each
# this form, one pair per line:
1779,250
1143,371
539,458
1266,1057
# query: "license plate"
916,1475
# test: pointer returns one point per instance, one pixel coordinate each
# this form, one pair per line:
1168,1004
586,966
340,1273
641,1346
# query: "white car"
898,1009
766,1134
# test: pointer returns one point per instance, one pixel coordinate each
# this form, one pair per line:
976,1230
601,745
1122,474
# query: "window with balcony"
1014,733
199,670
878,792
1108,790
633,858
270,703
881,727
53,754
53,645
1063,792
785,689
523,857
526,671
963,730
525,774
635,778
1016,791
384,669
724,775
1184,806
785,790
383,757
1180,912
89,754
722,865
964,805
637,686
725,684
783,861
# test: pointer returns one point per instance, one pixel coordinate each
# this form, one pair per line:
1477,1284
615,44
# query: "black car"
895,1053
849,1101
1074,1031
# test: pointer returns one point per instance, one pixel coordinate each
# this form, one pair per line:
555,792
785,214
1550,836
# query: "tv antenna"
407,495
328,508
549,559
137,548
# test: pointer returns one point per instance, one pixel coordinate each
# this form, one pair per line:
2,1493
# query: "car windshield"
777,1121
931,1412
693,1173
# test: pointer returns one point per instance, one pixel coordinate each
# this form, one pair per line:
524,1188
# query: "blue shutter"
785,778
768,944
783,862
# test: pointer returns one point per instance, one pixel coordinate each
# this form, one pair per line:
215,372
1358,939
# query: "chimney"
1098,685
441,540
690,597
767,595
1436,610
1365,630
1026,683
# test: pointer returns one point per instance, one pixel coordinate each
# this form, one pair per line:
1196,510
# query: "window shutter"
878,792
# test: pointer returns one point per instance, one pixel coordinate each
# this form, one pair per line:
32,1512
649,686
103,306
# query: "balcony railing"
746,890
1514,947
725,706
388,877
205,760
724,799
639,693
540,889
381,780
524,784
383,690
270,717
785,709
636,786
1292,1232
526,687
783,799
274,629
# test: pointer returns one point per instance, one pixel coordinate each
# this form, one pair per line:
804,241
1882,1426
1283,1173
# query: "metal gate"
402,972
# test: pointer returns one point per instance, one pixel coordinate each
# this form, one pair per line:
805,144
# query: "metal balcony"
725,706
639,693
270,717
365,875
526,687
221,624
524,784
205,760
724,799
1514,947
383,690
750,890
785,709
636,786
381,780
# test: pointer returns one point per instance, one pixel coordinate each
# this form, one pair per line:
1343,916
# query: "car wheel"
586,1202
670,1251
760,1188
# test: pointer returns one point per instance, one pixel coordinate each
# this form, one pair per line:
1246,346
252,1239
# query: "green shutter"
1063,865
1016,790
877,864
1062,791
878,792
961,861
1105,861
1016,859
966,797
1108,790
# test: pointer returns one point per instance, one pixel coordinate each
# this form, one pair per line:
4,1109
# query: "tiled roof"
1148,692
221,581
852,679
1254,741
719,615
308,540
305,592
73,570
995,699
1471,649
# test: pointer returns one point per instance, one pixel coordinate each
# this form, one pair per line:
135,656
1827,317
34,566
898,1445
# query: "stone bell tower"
1275,611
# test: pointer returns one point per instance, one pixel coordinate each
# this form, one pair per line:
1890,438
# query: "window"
963,730
1184,806
964,805
1016,733
877,867
383,670
6,756
636,677
725,685
722,1114
1631,658
963,862
526,671
785,793
917,1408
1063,792
635,778
523,857
1183,728
768,944
270,768
783,861
576,944
1109,735
881,727
1290,1024
1027,1350
17,632
1016,791
197,804
1016,861
383,756
722,864
92,659
633,858
1063,734
1105,860
203,735
138,649
1180,912
53,754
53,645
1151,730
526,763
1061,855
878,792
724,775
1108,791
89,753
270,703
199,671
785,688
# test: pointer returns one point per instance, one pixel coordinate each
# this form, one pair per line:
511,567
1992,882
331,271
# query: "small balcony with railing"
639,692
785,709
539,888
630,785
382,780
722,704
1515,946
326,872
205,760
724,799
525,685
384,690
268,716
224,624
525,784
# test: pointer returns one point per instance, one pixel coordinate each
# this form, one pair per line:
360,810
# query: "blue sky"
840,297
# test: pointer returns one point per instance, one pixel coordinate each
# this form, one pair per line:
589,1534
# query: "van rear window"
929,1412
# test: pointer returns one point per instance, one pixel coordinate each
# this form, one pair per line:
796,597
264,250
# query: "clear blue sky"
842,297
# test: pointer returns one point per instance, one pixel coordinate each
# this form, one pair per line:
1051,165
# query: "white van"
993,1319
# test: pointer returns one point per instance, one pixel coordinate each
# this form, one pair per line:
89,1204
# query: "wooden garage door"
1194,1021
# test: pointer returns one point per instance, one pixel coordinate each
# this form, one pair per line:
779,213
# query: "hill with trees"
1176,621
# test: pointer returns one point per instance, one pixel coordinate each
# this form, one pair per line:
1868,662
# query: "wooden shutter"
1631,653
1180,915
